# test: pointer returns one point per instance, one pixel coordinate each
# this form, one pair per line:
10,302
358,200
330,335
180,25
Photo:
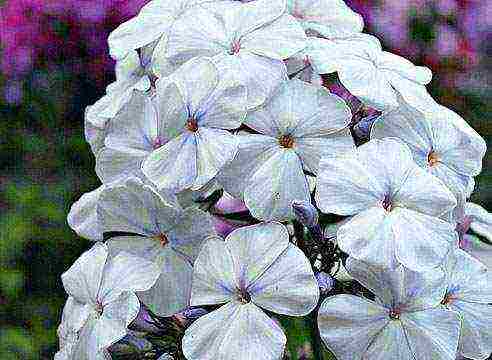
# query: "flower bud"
305,213
325,282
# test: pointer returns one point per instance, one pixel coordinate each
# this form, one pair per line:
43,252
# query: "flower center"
394,314
448,299
157,143
243,296
387,204
99,308
192,124
286,141
432,158
235,47
163,240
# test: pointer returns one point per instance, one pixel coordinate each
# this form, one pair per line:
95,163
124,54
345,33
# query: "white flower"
82,217
300,124
440,141
104,303
255,267
369,73
405,322
165,234
329,18
153,21
248,40
130,75
396,206
469,293
196,109
481,220
130,137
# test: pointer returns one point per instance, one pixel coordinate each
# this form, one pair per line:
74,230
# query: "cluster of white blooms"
353,208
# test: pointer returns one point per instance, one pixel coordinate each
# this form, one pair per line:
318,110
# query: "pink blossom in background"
68,33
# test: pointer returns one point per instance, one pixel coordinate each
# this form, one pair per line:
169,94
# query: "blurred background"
54,62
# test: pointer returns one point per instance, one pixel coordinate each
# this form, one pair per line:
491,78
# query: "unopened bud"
325,282
363,128
305,213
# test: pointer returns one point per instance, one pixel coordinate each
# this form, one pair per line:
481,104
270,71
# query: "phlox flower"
396,205
130,75
296,127
329,18
440,141
153,20
469,293
369,73
82,217
102,300
248,40
254,268
405,322
196,108
164,234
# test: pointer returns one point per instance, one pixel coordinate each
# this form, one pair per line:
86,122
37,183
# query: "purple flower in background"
51,34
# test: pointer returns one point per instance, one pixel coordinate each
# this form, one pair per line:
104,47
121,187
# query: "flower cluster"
237,186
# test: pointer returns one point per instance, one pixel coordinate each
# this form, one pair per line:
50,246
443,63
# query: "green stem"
315,338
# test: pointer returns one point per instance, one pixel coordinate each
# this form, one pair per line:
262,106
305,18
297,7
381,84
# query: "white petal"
387,61
226,107
422,241
153,20
285,32
253,150
390,343
481,220
254,248
172,110
74,316
476,333
409,125
213,275
140,246
196,79
259,74
187,236
274,289
332,18
134,127
215,148
82,217
113,165
134,207
433,333
83,279
343,317
312,150
174,165
424,193
171,292
273,187
101,332
460,147
368,237
361,188
126,272
249,16
197,32
469,279
412,290
249,335
366,82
